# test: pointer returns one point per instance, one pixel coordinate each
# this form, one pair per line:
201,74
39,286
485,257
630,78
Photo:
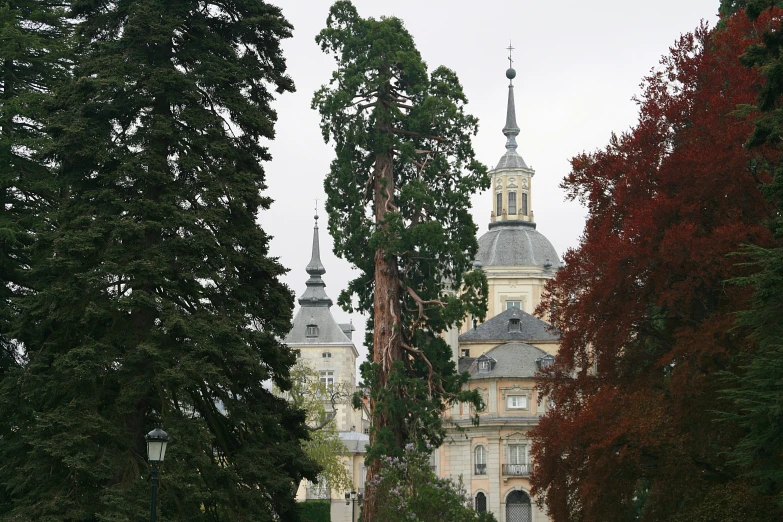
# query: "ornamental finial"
510,72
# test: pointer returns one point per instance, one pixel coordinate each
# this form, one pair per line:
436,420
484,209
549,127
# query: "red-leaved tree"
645,303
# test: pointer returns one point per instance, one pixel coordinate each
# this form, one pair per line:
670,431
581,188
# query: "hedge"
316,511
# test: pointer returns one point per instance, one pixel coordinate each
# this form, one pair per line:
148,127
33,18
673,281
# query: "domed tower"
517,259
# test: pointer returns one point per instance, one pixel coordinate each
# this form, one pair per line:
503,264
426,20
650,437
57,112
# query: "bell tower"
511,178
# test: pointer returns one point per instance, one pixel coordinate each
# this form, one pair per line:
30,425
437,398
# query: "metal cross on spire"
510,60
316,209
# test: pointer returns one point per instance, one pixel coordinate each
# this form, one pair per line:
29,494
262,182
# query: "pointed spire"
315,267
315,295
511,159
511,130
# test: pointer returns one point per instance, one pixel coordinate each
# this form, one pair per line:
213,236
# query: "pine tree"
398,198
32,38
158,301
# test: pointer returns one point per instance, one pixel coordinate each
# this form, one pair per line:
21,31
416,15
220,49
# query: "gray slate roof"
512,360
515,243
496,329
329,332
511,160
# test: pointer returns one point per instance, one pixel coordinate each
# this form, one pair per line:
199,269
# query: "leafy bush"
316,511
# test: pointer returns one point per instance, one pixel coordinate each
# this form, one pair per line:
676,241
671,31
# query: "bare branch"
420,354
421,302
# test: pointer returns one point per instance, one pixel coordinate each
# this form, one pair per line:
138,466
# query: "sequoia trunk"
387,346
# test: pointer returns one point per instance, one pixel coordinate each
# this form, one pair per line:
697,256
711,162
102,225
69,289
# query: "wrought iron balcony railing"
516,470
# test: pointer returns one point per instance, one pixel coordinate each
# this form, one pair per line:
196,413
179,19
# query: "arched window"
481,503
518,507
481,460
512,202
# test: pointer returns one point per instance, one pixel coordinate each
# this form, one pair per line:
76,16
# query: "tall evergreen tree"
158,300
398,198
33,35
32,40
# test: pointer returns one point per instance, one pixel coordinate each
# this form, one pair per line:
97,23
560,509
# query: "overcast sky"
578,66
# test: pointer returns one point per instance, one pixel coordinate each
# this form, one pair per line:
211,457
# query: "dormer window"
545,361
513,324
485,364
312,330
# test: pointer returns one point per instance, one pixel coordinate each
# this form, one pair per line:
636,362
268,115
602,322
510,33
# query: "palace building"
503,353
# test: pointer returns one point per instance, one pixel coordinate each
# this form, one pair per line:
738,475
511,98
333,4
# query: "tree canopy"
645,303
157,300
398,201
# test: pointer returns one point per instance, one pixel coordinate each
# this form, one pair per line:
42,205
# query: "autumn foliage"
646,305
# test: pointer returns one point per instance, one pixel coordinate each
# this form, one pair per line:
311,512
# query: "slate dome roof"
509,243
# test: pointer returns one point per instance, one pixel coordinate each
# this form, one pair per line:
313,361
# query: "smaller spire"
315,295
315,267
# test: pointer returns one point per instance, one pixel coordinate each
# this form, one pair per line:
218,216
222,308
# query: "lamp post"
352,498
156,450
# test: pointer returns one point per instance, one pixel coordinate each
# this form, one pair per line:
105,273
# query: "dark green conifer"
33,38
757,389
158,301
32,41
398,202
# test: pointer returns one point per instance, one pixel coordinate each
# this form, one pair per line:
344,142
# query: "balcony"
481,469
516,470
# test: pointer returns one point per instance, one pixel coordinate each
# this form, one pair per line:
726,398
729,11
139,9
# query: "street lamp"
156,450
351,498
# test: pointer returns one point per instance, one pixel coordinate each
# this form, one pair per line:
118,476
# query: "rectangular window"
499,204
517,402
484,366
513,304
516,454
312,330
512,202
327,378
524,203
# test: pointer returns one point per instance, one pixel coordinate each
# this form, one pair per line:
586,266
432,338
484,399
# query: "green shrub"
316,511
